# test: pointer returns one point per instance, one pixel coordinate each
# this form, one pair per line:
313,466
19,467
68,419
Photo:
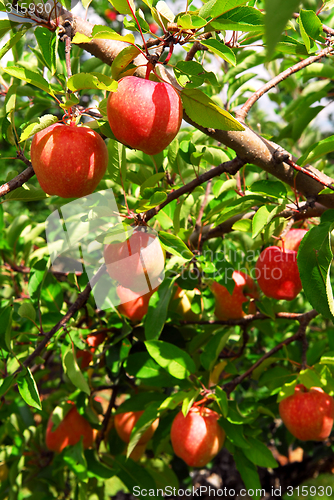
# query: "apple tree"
239,201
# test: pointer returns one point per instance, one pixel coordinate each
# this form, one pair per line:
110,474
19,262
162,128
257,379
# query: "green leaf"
117,160
122,6
175,400
73,372
215,8
222,50
135,477
12,41
174,245
314,263
260,220
248,473
237,206
190,21
30,77
275,189
27,310
317,150
26,193
47,41
142,366
205,112
5,26
157,311
28,389
122,60
176,361
91,81
278,13
213,348
311,25
74,457
242,18
259,454
222,401
234,433
6,327
6,384
38,125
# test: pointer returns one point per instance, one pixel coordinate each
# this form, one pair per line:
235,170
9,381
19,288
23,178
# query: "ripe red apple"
308,414
137,263
134,306
181,302
229,306
124,423
144,114
69,161
110,14
198,437
277,273
69,432
84,358
95,339
292,239
153,28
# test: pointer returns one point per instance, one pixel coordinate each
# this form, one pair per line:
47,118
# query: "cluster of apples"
70,161
276,273
197,437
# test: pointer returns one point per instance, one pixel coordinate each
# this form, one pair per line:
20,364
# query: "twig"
230,167
304,320
17,182
81,300
107,416
244,110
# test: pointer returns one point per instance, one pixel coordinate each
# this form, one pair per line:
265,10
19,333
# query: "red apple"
198,437
229,306
277,273
110,14
136,263
69,432
124,423
153,28
68,161
134,306
144,114
308,414
181,302
95,339
292,239
84,358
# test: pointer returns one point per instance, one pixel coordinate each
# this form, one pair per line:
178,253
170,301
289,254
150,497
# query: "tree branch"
304,320
244,110
230,167
78,304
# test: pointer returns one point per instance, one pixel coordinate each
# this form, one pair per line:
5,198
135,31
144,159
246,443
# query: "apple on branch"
197,438
134,305
308,414
144,114
136,263
125,422
277,273
69,161
292,239
69,431
229,306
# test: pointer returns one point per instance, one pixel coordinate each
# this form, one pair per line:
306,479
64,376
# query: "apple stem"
141,33
149,68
